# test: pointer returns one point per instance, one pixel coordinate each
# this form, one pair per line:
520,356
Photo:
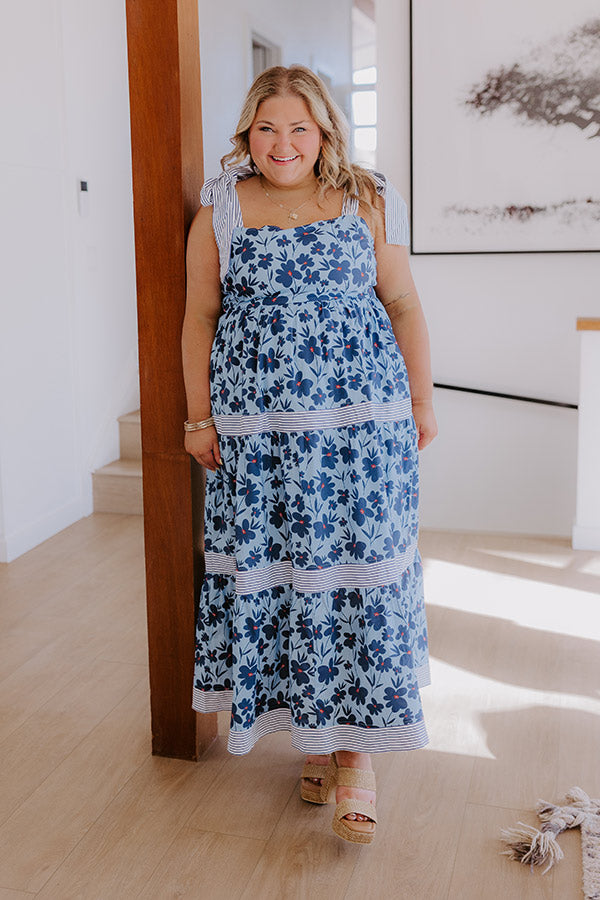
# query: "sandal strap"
359,778
362,807
311,770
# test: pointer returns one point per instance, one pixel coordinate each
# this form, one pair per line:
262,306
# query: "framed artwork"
505,126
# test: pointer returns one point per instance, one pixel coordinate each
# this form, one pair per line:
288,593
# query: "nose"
283,144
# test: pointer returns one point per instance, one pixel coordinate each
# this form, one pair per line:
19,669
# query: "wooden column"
166,138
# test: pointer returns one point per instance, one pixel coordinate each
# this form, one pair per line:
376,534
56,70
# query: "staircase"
118,486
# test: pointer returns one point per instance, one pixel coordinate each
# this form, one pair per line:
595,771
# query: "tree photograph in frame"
505,126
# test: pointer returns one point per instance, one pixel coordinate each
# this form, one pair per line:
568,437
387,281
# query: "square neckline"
243,227
306,225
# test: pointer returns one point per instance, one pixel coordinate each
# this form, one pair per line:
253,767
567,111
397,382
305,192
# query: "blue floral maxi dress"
311,615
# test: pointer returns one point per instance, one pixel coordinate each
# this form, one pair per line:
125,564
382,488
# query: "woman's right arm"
202,311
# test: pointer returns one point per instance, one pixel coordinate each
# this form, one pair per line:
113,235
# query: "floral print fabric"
311,614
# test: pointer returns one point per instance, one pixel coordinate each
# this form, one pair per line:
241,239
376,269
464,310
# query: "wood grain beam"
166,139
588,324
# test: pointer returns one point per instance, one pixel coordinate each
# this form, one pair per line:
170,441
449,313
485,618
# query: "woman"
303,344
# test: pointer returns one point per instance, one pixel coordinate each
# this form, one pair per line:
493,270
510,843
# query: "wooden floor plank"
22,640
7,894
524,766
421,801
303,857
579,750
38,577
205,864
34,683
251,791
567,875
126,844
51,599
56,816
116,575
40,744
114,629
480,869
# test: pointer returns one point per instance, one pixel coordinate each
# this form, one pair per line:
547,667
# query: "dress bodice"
220,193
302,328
333,257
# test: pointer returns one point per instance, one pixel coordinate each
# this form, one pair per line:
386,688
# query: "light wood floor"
86,812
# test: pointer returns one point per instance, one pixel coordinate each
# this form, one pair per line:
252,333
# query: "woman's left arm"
396,290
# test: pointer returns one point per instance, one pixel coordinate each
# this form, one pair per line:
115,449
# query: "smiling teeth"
284,158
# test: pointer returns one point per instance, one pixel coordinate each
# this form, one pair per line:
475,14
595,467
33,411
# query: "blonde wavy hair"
333,167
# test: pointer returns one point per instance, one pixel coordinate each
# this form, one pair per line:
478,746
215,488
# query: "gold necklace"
292,213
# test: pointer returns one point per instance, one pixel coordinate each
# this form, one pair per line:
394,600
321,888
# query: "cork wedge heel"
350,829
318,793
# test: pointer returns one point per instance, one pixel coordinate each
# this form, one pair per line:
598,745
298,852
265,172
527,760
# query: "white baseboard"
586,538
14,545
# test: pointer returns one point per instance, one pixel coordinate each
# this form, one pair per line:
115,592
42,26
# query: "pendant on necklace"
293,215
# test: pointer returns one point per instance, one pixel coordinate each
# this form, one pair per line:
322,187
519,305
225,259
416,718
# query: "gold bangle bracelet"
196,426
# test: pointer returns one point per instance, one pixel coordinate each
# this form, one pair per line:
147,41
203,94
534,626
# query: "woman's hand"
203,445
424,417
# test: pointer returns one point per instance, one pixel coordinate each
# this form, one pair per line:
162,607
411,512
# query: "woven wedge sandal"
318,793
351,829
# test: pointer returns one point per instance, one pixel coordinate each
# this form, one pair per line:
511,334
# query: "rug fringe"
530,845
539,847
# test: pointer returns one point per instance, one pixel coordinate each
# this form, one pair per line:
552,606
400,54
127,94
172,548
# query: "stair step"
130,435
118,487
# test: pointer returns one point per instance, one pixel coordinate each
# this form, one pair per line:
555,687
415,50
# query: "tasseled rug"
540,848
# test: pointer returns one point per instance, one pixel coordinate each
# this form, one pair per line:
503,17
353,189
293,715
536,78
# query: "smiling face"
285,141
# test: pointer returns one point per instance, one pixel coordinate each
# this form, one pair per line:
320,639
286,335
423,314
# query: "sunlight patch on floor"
452,718
516,598
555,560
589,565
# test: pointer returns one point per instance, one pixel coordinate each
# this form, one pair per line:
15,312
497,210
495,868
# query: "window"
364,85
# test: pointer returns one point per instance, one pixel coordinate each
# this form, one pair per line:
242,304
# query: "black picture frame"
567,225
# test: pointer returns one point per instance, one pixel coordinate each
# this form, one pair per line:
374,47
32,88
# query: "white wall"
497,322
68,344
315,33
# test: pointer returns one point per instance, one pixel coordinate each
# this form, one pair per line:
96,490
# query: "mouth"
282,160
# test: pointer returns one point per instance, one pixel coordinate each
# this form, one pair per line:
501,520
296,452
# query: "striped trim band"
350,206
315,740
397,230
346,575
211,701
314,419
219,192
423,675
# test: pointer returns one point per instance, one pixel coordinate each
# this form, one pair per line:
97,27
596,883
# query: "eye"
265,128
300,128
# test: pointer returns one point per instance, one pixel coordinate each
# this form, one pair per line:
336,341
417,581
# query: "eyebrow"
267,122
